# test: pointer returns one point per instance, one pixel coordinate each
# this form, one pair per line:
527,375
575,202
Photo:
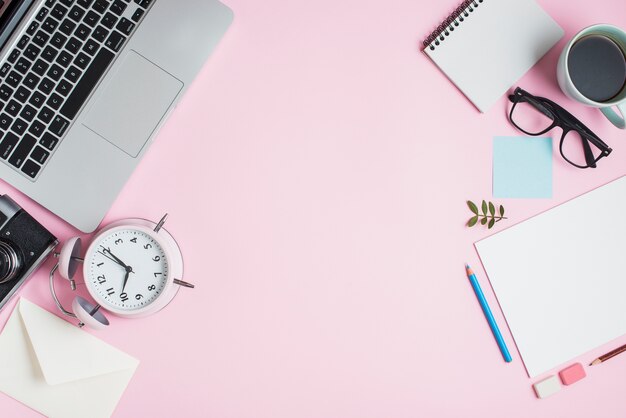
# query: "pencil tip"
467,266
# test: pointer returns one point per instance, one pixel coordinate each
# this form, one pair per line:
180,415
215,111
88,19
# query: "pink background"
316,175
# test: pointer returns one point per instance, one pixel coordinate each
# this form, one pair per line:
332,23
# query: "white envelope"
58,369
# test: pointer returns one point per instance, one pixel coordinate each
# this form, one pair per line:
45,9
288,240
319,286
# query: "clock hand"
117,260
128,271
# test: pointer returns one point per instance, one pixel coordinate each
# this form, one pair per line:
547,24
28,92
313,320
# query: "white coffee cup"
565,82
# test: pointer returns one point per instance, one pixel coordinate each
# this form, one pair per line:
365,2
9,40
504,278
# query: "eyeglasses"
536,115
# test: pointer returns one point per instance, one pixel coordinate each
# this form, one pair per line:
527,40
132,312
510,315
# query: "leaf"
492,209
501,211
483,220
472,206
491,223
484,207
472,221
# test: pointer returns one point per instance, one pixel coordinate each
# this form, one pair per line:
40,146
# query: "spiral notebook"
485,46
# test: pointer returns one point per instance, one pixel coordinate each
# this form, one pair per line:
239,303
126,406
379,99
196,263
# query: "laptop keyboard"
52,70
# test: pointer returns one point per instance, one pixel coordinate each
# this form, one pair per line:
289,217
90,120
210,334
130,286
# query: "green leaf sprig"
487,217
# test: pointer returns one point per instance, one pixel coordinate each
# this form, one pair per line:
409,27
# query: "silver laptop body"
116,98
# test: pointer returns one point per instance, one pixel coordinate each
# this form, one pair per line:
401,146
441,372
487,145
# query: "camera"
24,245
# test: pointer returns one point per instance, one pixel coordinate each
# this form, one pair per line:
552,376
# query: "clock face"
127,269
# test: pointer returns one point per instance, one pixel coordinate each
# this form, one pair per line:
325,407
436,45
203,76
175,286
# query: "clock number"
151,287
100,265
110,291
124,297
138,296
101,279
134,240
119,241
156,258
147,246
157,274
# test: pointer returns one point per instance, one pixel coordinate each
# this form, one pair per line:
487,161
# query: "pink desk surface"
316,177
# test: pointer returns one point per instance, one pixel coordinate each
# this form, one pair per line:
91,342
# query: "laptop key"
49,25
31,80
36,128
55,101
32,28
100,6
58,40
46,85
45,115
82,60
13,108
73,74
37,99
91,47
19,126
23,41
64,87
68,3
115,41
41,14
90,78
58,12
76,13
31,52
31,168
109,20
67,27
22,150
9,141
13,56
82,32
137,15
49,53
100,34
6,67
28,113
91,19
39,154
64,58
58,126
40,67
22,94
5,92
84,3
5,122
55,72
73,45
41,38
118,7
49,141
21,66
125,26
13,79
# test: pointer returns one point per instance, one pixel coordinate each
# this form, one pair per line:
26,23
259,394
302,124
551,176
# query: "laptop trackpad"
132,103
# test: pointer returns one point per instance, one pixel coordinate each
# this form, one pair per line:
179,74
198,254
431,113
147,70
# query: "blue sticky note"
522,167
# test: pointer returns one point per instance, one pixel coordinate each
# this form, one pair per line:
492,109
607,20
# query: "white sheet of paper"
58,369
560,277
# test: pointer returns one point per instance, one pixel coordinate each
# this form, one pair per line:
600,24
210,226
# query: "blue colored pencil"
488,314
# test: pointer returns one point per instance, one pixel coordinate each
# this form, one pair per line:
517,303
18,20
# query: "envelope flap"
66,353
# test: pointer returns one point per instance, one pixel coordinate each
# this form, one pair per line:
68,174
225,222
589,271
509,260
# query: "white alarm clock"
132,268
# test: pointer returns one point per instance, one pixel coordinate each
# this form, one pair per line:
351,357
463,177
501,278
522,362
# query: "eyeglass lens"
573,149
530,117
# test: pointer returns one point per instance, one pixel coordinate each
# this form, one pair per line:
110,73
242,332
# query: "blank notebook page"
560,277
493,47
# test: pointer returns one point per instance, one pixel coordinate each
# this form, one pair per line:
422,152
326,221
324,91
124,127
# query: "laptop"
84,87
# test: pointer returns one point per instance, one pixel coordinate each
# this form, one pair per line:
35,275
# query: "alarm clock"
132,268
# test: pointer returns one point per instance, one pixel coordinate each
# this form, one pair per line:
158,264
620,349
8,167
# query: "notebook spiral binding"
453,20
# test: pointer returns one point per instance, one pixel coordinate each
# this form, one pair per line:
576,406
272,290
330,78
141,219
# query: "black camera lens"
9,262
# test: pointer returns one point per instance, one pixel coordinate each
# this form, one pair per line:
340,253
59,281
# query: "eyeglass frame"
566,121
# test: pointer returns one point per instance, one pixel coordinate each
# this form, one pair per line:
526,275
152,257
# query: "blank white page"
560,277
494,46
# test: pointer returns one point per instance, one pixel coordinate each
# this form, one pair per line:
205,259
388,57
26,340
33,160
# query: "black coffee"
597,67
